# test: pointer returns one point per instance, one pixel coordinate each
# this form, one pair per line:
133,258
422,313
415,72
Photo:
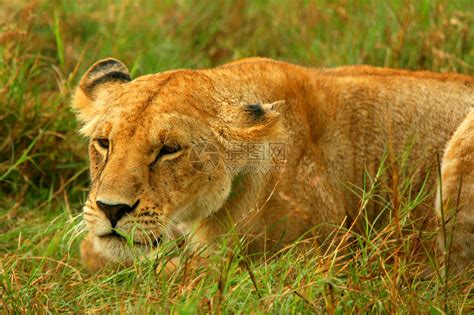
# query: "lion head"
156,147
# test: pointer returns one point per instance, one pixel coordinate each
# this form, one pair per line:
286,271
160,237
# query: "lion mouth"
116,236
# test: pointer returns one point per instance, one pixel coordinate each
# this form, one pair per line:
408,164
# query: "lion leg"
456,199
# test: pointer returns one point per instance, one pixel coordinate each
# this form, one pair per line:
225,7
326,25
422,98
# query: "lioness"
269,149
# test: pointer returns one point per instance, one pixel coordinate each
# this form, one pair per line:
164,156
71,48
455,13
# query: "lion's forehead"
149,106
174,91
174,84
143,127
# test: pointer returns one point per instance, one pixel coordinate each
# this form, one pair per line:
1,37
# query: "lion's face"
144,177
156,153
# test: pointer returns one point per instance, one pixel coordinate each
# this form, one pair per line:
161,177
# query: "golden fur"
455,202
333,125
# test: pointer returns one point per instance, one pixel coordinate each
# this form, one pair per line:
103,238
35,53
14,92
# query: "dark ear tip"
255,111
259,112
108,62
105,70
107,65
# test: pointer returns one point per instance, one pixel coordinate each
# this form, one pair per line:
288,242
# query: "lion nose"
115,212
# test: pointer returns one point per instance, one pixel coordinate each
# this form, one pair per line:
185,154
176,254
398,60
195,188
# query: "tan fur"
457,196
335,125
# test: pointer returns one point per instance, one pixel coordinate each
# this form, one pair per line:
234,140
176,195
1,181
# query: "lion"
267,149
455,198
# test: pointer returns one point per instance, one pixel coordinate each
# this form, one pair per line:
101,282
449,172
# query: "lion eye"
103,143
168,149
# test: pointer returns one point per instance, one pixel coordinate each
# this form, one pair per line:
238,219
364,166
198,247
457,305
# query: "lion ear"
104,73
257,121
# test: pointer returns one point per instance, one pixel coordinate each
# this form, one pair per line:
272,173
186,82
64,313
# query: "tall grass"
46,45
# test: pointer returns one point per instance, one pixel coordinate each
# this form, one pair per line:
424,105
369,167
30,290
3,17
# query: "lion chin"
269,150
98,252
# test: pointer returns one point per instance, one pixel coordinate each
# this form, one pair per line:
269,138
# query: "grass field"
45,46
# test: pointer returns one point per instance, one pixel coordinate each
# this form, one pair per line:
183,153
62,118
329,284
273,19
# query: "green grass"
44,48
